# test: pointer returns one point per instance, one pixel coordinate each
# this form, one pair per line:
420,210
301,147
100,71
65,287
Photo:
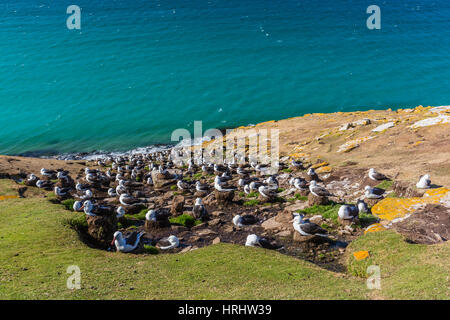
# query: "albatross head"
311,171
87,206
313,183
151,215
117,236
367,188
298,218
236,219
120,212
198,201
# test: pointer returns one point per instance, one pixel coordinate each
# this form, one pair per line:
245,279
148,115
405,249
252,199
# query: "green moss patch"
185,220
251,203
68,204
386,184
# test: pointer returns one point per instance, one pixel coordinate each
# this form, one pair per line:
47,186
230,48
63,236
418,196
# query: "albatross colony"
135,202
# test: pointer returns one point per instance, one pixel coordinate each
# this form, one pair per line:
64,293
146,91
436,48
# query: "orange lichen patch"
8,197
421,108
325,169
393,208
267,122
374,228
361,255
318,165
298,155
441,192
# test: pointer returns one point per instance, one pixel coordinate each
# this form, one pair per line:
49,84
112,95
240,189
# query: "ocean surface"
138,69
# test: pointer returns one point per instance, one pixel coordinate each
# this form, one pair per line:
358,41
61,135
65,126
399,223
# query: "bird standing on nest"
318,191
376,176
306,227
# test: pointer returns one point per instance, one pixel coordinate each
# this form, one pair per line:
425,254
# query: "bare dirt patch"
428,225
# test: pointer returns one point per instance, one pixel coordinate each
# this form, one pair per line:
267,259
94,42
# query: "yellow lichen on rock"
318,165
361,255
374,228
298,155
441,192
324,169
393,208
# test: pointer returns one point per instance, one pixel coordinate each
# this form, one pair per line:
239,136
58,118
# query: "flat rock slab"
384,126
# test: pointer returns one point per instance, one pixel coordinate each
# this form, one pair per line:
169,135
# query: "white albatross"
376,176
373,193
244,220
121,243
253,240
318,191
172,242
424,182
348,212
307,228
120,212
199,210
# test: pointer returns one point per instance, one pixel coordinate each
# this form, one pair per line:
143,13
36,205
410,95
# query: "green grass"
393,195
408,271
38,244
252,194
77,222
367,218
287,170
174,187
37,249
329,211
68,204
150,249
197,176
185,220
297,196
251,203
386,184
138,216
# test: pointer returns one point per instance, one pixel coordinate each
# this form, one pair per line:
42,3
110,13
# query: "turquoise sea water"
138,69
